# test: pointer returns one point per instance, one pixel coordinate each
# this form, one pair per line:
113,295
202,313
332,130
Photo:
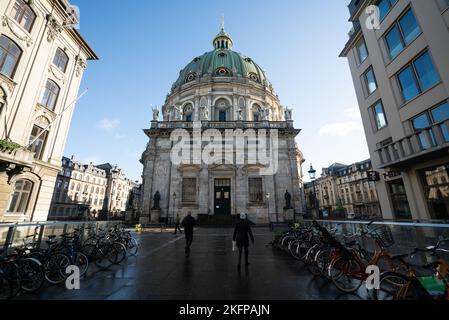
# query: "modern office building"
42,61
400,69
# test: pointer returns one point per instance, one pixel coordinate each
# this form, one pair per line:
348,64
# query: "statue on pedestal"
288,200
288,114
155,114
156,200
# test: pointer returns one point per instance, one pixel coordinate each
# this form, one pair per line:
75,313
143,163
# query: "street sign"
373,176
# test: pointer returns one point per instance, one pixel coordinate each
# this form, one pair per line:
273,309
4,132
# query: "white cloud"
108,124
340,129
353,113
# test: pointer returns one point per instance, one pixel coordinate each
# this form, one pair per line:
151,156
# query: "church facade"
222,99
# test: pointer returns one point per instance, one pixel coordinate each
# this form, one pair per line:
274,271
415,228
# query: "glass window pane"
362,51
409,26
384,8
408,84
427,74
379,114
421,122
12,205
441,113
394,42
371,81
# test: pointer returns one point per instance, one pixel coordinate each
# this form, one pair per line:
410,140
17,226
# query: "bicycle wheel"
395,286
81,261
311,262
132,247
293,249
12,272
5,288
32,274
346,274
55,267
322,259
121,252
90,251
105,257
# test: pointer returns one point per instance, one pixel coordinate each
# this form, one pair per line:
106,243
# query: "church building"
221,92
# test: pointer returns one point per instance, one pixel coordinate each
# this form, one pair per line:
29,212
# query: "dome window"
222,54
253,77
190,77
196,59
222,72
248,60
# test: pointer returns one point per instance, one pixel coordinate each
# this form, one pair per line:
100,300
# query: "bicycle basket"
383,236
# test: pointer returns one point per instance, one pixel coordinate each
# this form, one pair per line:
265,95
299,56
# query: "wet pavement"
162,271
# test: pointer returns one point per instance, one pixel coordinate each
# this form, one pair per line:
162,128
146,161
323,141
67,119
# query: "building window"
385,7
436,116
50,95
362,51
370,81
399,200
402,34
255,190
417,77
222,116
436,189
379,115
189,190
38,139
20,196
23,14
9,56
61,60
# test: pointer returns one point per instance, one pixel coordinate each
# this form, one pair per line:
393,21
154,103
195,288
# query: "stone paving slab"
162,271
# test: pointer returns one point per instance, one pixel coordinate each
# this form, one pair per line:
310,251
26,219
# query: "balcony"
172,125
423,144
22,157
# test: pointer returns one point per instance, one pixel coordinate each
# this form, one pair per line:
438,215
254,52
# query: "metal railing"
13,235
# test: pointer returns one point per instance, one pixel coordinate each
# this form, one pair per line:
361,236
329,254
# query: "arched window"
23,14
256,113
61,60
21,196
188,113
38,138
222,116
50,96
9,56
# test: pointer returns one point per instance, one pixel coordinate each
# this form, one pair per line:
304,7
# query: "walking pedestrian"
242,233
178,224
188,224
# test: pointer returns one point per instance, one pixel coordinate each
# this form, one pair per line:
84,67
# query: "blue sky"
144,44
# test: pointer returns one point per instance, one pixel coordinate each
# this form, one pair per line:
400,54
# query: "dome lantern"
222,41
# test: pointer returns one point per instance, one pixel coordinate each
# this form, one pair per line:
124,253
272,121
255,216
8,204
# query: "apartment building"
42,60
400,70
344,191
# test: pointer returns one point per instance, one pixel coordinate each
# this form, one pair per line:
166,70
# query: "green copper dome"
222,62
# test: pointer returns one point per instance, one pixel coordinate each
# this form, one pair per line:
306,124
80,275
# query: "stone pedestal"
288,214
155,215
144,220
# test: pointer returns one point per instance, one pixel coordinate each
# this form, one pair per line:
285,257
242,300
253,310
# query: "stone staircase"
217,221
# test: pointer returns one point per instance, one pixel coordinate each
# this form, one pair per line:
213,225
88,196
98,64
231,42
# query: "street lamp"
174,204
312,174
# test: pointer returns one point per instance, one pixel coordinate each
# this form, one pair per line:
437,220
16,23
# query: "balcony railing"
420,143
222,125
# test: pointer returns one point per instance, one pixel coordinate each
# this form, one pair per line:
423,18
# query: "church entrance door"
222,196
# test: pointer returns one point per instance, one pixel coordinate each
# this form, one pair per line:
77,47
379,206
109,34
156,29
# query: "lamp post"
312,174
174,204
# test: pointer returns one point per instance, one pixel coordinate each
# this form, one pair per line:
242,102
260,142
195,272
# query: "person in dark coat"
242,234
188,224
